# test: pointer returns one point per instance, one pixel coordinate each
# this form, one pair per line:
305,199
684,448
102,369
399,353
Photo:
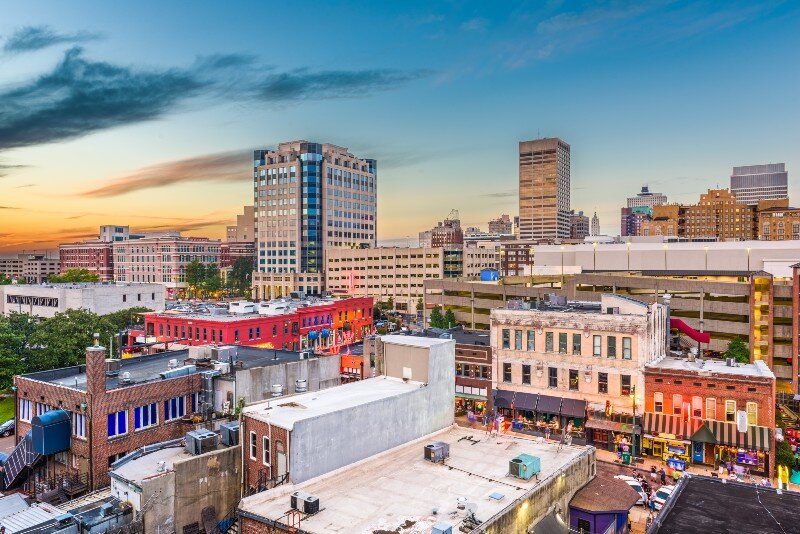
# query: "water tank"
277,390
50,432
300,386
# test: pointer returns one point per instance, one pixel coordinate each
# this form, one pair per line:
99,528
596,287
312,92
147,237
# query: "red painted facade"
347,321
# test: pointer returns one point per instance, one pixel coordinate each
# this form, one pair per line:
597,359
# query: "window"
752,413
677,404
42,408
531,340
526,374
265,451
584,526
174,408
711,408
145,416
25,409
602,382
625,385
573,380
117,423
562,342
626,348
552,376
78,425
548,342
195,399
576,344
517,339
253,446
506,338
697,407
730,410
506,372
658,402
611,342
596,346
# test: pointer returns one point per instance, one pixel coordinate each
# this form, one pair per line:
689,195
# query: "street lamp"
628,245
633,429
706,251
748,259
665,257
594,256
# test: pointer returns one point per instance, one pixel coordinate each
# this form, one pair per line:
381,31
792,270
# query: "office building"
501,225
544,189
111,233
760,182
777,221
446,233
645,198
578,225
631,220
309,198
97,257
243,230
33,268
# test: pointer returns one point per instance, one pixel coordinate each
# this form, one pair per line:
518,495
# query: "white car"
633,483
662,495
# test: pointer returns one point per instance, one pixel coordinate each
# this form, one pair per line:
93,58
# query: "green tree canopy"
420,305
195,274
436,319
74,275
15,333
124,318
61,340
737,349
241,276
449,319
4,280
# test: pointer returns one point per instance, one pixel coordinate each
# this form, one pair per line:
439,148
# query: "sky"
146,113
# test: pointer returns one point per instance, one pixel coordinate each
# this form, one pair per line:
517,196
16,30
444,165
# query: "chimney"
667,299
95,367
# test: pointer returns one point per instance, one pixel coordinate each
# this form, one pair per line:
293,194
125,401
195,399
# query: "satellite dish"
741,421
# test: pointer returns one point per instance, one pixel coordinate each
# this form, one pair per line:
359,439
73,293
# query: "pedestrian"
486,422
663,476
547,432
653,473
652,505
730,467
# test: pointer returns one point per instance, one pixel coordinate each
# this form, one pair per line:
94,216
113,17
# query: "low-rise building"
46,300
94,256
693,410
32,268
562,362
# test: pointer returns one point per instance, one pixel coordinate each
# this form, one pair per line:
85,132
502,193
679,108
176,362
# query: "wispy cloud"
501,194
8,208
5,169
24,186
477,24
31,38
221,167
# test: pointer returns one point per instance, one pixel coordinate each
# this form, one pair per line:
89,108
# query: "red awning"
700,337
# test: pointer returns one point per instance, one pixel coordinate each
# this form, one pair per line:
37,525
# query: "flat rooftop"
146,466
284,412
755,369
703,505
399,487
148,368
462,337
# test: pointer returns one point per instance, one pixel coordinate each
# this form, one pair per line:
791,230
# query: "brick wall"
253,466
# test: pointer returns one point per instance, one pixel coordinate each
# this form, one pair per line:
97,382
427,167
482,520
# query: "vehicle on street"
662,495
7,428
637,487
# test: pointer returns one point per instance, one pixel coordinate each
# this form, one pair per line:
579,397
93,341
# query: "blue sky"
144,114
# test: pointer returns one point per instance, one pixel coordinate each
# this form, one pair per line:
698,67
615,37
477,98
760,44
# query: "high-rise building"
309,197
646,198
544,189
760,182
578,225
595,229
243,229
501,225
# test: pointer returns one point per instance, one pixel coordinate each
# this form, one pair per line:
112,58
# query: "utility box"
525,466
437,451
442,528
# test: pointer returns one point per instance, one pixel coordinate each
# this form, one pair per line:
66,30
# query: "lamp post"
594,256
748,259
706,252
628,245
665,257
562,266
633,429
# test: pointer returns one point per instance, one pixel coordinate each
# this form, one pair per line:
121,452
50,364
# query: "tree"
212,281
15,332
420,305
449,319
61,340
737,349
4,280
241,276
195,274
74,275
122,319
436,319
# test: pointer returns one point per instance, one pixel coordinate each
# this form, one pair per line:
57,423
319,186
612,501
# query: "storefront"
748,450
536,413
665,437
469,399
611,434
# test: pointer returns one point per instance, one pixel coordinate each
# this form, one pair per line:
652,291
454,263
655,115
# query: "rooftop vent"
113,367
277,390
300,386
173,363
125,378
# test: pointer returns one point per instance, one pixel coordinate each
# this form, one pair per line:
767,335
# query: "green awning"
704,435
470,396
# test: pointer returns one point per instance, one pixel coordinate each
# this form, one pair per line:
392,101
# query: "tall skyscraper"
309,197
760,182
646,198
544,189
595,230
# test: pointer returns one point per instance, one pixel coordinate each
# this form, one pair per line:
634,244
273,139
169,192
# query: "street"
638,513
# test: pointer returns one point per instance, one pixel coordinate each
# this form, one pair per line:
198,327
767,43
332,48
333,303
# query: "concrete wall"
211,479
331,441
158,501
100,299
254,384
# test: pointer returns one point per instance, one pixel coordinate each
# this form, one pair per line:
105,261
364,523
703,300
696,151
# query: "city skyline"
99,126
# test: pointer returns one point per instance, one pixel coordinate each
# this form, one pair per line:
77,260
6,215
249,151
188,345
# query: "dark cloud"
182,227
221,167
30,38
303,84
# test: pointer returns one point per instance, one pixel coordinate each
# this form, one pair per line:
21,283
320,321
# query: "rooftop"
148,368
462,336
284,412
146,466
399,487
605,494
755,369
702,504
272,308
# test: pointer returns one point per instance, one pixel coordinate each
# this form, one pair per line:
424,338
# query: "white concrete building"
46,300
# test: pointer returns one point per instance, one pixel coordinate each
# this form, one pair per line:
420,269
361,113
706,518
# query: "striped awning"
662,423
756,437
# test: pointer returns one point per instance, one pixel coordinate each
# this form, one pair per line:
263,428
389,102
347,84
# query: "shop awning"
573,407
704,435
604,424
470,396
502,398
662,423
525,401
726,433
548,404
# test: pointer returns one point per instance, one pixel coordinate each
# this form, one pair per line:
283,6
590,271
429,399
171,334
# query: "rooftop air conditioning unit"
437,451
223,367
442,528
524,466
229,433
300,386
305,355
277,390
173,364
125,378
201,441
113,367
106,509
305,502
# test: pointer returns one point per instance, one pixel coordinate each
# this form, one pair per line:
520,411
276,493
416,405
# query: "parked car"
633,483
662,495
7,428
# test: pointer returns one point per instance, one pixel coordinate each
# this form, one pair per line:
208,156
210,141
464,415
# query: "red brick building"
692,408
113,411
287,323
230,251
94,256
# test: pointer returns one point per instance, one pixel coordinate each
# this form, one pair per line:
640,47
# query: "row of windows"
473,371
573,379
705,410
611,343
146,416
28,409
